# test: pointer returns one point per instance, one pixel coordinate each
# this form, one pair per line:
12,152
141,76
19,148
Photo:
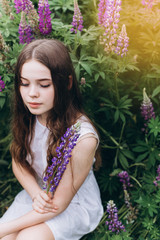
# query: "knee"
36,232
23,235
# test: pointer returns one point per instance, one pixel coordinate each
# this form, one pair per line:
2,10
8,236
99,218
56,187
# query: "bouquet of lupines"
55,171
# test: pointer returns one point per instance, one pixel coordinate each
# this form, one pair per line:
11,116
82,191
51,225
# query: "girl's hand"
42,203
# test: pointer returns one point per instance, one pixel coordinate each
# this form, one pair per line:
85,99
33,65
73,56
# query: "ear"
70,82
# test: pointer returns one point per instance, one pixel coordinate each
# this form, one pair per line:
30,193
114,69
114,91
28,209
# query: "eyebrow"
40,80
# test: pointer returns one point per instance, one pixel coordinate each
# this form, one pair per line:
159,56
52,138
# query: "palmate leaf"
148,205
154,126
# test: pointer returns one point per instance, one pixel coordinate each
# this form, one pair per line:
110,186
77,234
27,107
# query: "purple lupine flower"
45,25
23,5
2,84
147,110
109,18
77,19
132,211
157,181
25,31
55,171
122,42
125,179
148,3
113,223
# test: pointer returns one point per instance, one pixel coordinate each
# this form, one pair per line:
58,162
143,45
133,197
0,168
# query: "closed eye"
24,84
45,86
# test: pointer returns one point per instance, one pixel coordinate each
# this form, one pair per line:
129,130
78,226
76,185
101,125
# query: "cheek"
51,95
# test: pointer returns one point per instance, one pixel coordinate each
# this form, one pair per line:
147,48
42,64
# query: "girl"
46,102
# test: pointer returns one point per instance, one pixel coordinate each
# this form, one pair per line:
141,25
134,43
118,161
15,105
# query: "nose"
33,91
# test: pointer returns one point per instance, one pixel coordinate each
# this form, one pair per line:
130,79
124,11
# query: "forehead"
34,69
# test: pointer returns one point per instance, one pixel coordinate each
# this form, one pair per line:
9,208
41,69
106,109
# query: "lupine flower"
3,46
45,25
83,81
28,7
147,110
11,16
23,5
6,7
33,20
122,42
101,11
77,19
132,211
2,84
157,181
109,18
2,43
59,162
148,3
113,223
25,31
125,179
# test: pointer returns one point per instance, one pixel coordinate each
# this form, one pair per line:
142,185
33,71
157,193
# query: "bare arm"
75,174
25,178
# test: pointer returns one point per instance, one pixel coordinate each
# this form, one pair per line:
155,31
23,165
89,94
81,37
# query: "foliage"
112,95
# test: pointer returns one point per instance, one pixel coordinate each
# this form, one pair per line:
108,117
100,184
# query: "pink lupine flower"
122,42
148,3
2,84
109,14
77,19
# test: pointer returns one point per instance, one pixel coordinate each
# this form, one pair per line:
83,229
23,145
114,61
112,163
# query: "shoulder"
87,131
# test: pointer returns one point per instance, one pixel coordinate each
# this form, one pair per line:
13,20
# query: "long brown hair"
67,101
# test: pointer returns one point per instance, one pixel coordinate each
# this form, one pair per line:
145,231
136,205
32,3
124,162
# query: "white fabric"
85,210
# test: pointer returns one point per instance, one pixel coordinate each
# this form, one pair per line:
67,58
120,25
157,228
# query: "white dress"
85,210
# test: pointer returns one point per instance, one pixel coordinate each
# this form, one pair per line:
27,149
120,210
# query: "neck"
42,120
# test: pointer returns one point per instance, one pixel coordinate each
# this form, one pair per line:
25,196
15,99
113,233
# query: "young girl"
46,102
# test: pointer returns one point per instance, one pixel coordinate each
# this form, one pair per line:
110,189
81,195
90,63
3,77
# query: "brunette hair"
67,101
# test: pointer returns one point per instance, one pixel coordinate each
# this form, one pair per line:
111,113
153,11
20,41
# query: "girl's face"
36,89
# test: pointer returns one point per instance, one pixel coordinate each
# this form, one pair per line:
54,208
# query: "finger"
43,204
43,199
39,209
45,196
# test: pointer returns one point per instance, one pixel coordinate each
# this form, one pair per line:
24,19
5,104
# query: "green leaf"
128,154
123,161
86,67
102,75
2,101
96,77
142,156
116,116
156,91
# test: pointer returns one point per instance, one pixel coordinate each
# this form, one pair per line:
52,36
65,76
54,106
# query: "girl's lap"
40,232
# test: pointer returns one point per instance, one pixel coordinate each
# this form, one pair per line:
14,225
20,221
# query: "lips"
34,104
